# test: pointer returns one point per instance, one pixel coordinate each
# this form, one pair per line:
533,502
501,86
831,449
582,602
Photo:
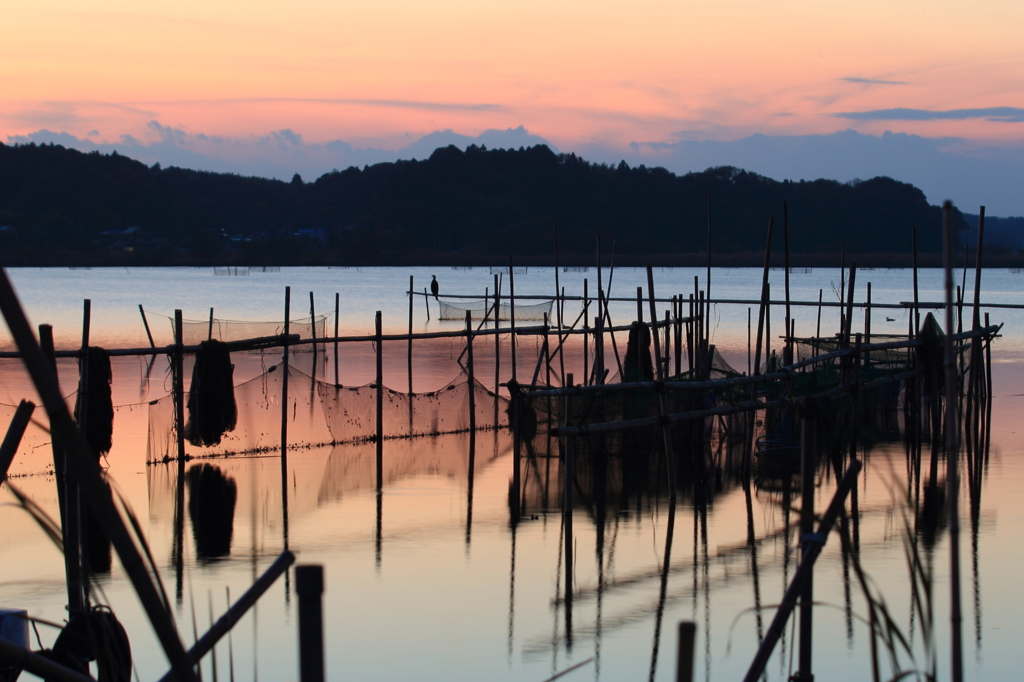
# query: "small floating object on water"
890,319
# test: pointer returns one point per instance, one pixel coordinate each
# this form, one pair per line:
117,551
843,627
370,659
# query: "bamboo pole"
378,333
145,323
337,317
708,283
469,372
817,330
409,351
586,333
209,328
426,303
84,468
917,308
952,457
567,495
497,349
787,354
284,430
666,435
12,439
599,323
806,568
512,314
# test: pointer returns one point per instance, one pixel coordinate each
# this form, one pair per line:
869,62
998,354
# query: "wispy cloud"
997,114
872,81
331,101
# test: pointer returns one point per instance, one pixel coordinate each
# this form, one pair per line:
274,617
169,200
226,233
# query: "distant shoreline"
436,259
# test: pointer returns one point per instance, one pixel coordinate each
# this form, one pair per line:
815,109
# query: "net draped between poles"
322,414
478,310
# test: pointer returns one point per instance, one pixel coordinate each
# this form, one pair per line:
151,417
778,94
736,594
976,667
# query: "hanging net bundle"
480,309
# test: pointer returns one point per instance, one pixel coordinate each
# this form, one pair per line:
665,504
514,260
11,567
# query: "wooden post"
469,372
685,649
409,352
426,303
512,314
76,523
952,455
209,328
378,334
145,323
640,305
309,585
559,301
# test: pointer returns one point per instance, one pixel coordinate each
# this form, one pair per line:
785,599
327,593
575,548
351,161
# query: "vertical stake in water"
586,333
469,372
76,524
817,329
708,283
378,336
209,328
558,311
179,429
497,349
337,315
409,352
309,586
917,308
599,323
867,324
426,303
952,456
284,426
512,314
787,353
568,474
60,473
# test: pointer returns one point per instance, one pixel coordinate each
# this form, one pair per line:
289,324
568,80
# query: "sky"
927,92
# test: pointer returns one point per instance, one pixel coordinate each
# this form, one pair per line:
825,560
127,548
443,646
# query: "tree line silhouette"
481,205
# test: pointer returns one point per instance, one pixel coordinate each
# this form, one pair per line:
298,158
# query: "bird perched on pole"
434,288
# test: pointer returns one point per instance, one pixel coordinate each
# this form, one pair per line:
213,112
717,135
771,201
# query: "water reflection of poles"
659,614
808,454
752,546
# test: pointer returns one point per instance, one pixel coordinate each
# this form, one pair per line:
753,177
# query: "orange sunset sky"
585,76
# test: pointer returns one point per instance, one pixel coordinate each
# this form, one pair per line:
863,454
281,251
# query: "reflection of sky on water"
438,603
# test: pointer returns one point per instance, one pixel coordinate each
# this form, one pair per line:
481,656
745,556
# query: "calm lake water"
430,581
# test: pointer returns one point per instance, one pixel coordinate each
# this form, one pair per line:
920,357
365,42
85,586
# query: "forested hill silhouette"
62,206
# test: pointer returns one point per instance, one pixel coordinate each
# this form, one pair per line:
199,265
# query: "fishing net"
197,331
478,310
322,414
